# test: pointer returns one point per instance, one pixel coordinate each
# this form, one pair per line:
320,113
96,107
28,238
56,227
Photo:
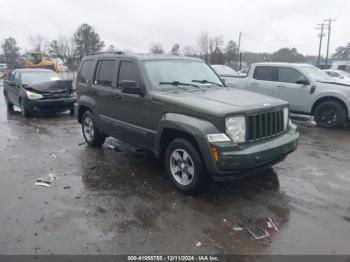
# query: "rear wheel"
330,114
185,167
91,134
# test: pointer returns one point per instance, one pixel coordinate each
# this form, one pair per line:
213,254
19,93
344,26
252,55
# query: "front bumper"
238,161
49,105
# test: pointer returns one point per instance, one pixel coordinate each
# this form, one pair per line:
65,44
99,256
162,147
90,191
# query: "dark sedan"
38,90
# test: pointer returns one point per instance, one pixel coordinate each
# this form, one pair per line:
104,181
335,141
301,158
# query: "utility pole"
320,46
238,50
329,36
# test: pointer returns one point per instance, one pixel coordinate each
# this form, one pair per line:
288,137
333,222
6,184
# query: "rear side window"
106,73
289,75
87,71
128,71
267,73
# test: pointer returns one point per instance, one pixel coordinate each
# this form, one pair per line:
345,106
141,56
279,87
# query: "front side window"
106,73
289,75
128,72
181,71
266,73
87,71
36,77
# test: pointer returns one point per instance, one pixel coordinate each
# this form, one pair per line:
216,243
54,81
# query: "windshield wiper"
206,82
178,84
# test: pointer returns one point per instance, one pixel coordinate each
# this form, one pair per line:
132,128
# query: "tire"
330,114
184,166
24,112
91,134
9,105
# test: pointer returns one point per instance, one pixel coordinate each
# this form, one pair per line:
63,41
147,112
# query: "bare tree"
38,43
65,49
189,51
156,48
204,45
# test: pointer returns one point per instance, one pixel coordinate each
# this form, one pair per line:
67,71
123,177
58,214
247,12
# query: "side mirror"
11,83
304,82
130,87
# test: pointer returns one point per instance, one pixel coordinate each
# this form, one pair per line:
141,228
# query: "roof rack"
108,52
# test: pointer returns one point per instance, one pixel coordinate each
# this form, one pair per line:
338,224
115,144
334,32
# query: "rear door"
263,80
286,88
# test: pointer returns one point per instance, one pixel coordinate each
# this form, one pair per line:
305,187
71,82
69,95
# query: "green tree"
175,49
87,41
11,52
287,55
230,52
342,52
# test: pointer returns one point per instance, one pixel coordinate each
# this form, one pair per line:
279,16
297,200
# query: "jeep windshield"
180,74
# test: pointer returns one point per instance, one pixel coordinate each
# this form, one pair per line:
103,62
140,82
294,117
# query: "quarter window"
106,73
289,75
87,71
128,71
266,73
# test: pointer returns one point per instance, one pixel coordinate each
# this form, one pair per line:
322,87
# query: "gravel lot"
118,202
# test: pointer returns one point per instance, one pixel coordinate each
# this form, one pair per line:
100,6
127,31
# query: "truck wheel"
91,134
25,113
185,166
330,114
9,105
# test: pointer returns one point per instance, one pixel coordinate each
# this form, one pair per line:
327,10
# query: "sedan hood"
57,86
220,102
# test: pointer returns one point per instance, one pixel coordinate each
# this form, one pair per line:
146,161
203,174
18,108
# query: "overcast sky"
267,25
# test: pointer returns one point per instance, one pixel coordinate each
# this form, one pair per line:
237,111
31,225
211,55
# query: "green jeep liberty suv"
178,108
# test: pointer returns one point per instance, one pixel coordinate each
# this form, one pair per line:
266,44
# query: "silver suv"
307,89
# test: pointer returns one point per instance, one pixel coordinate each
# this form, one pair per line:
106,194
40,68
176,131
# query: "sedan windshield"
35,77
317,74
167,74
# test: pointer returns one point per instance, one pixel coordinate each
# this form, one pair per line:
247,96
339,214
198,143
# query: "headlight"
236,128
285,117
33,96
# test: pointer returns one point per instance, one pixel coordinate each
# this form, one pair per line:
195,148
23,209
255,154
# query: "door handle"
281,86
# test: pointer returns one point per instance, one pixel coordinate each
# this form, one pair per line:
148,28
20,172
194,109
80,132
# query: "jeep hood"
57,86
219,102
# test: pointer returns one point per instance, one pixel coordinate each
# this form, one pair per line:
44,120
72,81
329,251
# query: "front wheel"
91,134
184,166
9,105
330,114
25,113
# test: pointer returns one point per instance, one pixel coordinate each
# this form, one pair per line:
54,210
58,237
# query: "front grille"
264,125
57,95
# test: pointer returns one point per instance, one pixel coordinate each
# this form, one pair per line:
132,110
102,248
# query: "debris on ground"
115,148
46,181
198,244
238,228
66,187
259,229
82,143
225,220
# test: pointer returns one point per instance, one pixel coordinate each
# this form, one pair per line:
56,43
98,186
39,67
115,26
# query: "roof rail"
108,52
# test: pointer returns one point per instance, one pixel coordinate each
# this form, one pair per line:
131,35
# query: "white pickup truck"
309,90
